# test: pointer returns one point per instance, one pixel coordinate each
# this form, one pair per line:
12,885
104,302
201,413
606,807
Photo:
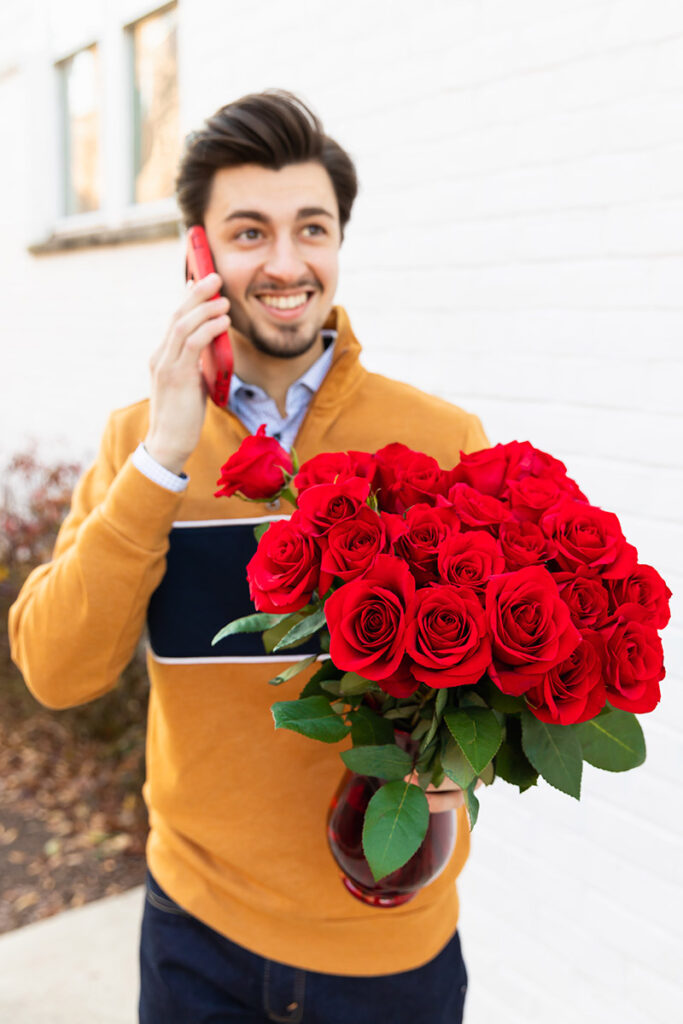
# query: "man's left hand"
446,797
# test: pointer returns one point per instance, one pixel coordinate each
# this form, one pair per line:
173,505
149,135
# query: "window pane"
81,113
156,145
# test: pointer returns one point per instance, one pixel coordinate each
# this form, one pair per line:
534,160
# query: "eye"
315,229
249,233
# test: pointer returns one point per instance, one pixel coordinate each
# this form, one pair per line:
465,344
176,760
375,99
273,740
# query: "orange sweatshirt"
237,810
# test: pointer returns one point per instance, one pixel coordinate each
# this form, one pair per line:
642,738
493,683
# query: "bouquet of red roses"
479,621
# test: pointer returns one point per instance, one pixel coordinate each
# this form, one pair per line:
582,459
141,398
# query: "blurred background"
516,248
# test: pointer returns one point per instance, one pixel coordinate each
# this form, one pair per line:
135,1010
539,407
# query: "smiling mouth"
285,307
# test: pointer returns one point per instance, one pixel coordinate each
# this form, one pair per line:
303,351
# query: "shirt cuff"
154,471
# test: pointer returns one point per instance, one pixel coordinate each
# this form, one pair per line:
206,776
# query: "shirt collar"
311,379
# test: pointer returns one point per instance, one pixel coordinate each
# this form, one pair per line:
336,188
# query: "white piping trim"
255,520
246,660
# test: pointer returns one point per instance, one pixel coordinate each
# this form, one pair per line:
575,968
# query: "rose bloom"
447,638
427,529
586,596
572,691
324,505
367,619
644,587
523,544
533,496
635,665
284,571
334,467
469,559
353,546
478,511
530,626
587,535
406,477
484,470
256,469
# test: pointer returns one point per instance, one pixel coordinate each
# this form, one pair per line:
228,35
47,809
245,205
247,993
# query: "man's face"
275,240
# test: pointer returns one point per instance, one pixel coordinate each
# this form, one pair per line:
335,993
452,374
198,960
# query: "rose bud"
256,470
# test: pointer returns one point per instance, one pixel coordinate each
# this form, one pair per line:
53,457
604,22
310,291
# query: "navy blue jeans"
190,974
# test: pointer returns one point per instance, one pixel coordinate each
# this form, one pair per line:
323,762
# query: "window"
80,96
156,144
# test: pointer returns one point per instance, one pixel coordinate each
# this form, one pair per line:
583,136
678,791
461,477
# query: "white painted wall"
516,248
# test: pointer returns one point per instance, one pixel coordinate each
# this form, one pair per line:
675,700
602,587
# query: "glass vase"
345,834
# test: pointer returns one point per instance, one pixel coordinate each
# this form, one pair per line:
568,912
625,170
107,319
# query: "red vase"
345,832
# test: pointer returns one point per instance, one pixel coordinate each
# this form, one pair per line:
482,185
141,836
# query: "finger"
183,328
447,801
199,339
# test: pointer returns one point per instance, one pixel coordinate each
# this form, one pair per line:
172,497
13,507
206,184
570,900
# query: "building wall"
516,248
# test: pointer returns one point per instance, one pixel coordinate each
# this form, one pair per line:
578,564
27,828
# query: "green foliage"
396,822
302,630
255,623
311,716
511,763
555,753
368,728
292,670
388,761
478,733
613,741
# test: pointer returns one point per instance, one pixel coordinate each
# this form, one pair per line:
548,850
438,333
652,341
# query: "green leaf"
384,762
352,684
249,624
488,774
396,822
292,670
310,716
271,636
313,687
311,624
472,804
498,700
370,729
478,733
511,763
455,764
613,742
260,530
555,752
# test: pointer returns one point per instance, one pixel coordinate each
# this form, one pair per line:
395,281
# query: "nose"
284,260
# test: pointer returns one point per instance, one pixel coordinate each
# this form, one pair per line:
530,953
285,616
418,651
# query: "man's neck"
275,376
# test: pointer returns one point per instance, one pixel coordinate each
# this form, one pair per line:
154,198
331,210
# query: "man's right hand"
178,392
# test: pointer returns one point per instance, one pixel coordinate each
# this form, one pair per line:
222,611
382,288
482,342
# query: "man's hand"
178,393
447,797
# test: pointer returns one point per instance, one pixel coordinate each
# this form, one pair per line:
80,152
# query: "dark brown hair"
273,129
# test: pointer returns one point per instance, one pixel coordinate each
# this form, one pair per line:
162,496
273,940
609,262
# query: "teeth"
284,302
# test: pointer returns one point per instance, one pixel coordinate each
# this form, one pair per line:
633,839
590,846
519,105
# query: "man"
245,917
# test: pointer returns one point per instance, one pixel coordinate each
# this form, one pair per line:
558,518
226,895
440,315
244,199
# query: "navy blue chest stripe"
205,587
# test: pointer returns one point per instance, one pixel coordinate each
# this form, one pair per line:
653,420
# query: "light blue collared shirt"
254,407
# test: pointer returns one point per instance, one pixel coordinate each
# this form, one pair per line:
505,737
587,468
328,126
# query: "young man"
245,917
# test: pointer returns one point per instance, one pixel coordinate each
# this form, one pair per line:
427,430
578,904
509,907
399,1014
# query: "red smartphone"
216,358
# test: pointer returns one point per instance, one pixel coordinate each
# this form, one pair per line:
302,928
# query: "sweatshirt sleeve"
77,620
475,438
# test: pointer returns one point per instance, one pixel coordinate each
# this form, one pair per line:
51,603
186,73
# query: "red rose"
484,470
530,627
284,571
635,666
645,587
574,690
523,544
256,470
478,511
525,460
447,638
469,559
367,619
334,467
324,505
587,535
586,597
405,477
534,496
353,546
427,529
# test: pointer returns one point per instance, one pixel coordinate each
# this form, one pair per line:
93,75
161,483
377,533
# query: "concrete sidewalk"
80,967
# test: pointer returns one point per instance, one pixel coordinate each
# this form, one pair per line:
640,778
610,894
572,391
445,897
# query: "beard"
281,341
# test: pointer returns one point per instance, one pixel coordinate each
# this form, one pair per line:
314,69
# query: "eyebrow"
303,214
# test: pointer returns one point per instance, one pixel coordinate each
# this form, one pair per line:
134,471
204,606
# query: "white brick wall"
516,247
